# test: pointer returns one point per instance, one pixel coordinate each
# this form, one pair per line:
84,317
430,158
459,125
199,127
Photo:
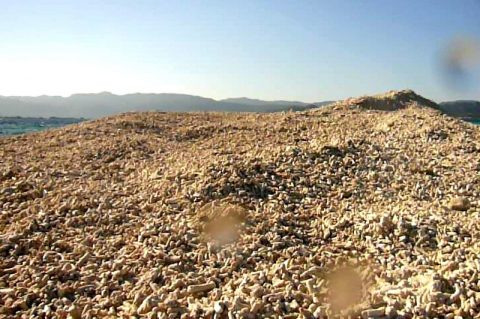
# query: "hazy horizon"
153,93
217,99
269,50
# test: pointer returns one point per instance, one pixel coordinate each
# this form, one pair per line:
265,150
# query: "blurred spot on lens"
460,62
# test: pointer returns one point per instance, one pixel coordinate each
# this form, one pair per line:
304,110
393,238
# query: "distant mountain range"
101,104
105,103
466,109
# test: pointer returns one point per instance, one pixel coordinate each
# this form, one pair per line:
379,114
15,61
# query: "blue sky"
299,50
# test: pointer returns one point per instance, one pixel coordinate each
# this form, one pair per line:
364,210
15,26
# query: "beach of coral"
365,208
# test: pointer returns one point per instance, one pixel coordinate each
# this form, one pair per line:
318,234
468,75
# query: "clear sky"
299,50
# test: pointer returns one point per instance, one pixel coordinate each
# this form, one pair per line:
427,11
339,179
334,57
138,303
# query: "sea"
22,125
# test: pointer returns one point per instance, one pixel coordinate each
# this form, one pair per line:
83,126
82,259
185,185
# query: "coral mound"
391,101
333,212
